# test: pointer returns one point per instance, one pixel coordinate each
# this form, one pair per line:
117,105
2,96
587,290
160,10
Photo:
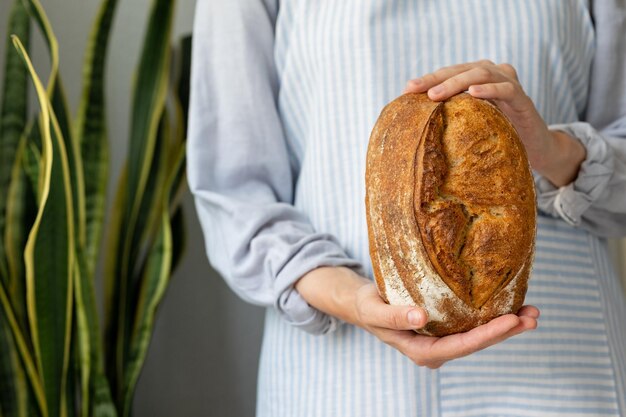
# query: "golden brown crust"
402,118
450,209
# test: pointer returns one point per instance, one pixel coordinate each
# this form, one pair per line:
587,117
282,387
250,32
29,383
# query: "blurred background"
204,353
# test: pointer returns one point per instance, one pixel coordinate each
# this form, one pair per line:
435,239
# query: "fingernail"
437,89
477,89
416,317
416,82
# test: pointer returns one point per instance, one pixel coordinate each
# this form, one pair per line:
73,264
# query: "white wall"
204,354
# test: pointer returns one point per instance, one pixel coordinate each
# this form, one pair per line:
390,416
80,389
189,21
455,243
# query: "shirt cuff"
571,201
324,251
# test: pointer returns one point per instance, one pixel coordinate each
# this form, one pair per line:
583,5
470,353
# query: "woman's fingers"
424,83
525,324
498,82
505,90
461,82
372,311
509,92
394,325
433,352
463,344
529,311
509,70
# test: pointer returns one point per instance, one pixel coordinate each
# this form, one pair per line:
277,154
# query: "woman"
284,97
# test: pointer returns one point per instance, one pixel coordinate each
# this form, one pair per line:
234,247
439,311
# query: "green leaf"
157,268
59,105
84,341
147,108
49,258
60,108
21,212
13,114
148,222
177,163
181,107
149,97
95,392
33,133
175,189
149,216
155,279
13,385
111,280
177,167
92,132
31,163
37,12
73,377
25,355
146,228
177,152
58,101
103,404
9,403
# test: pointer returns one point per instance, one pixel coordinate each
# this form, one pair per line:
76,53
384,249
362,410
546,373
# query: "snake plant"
54,361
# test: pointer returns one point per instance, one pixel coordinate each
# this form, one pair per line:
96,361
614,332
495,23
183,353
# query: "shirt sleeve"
239,167
596,200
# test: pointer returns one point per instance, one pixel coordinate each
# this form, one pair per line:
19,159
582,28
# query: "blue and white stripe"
338,63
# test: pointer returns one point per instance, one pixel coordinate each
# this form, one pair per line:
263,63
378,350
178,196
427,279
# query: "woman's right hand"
346,295
394,325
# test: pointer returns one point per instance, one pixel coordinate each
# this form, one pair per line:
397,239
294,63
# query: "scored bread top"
473,203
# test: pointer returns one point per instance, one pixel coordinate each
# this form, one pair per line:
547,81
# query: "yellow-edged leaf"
147,108
49,258
13,113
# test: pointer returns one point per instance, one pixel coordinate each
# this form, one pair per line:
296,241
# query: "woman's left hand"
555,155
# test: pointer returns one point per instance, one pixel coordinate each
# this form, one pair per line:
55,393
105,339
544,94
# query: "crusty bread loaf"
450,210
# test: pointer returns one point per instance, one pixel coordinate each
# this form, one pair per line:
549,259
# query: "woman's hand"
555,155
390,324
354,299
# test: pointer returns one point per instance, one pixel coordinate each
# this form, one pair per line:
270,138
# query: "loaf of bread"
450,210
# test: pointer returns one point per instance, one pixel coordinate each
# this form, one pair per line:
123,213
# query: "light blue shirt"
283,101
